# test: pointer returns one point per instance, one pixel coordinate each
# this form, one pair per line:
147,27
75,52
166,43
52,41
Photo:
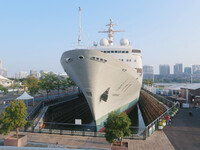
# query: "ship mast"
110,31
79,33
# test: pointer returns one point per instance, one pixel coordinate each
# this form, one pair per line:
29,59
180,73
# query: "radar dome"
124,42
103,42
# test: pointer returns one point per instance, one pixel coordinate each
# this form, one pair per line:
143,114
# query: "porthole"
67,60
124,70
81,57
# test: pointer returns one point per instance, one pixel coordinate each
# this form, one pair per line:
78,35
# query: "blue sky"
34,34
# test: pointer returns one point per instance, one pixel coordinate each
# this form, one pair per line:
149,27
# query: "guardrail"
153,126
79,130
89,130
49,102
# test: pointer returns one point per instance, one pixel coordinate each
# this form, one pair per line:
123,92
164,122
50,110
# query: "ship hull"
107,83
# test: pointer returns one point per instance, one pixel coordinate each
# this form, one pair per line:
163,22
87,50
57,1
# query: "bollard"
83,132
72,132
50,131
61,132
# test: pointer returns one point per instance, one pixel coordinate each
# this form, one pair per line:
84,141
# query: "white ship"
109,76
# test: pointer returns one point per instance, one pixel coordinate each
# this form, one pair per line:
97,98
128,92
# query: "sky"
34,34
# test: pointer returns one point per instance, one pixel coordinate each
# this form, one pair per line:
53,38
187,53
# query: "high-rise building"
178,68
21,75
164,69
3,71
187,70
148,72
33,72
147,69
195,69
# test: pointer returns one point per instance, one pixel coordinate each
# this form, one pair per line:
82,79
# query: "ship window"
97,58
135,60
89,93
112,51
81,57
119,51
123,51
92,58
126,51
101,59
104,51
124,70
122,60
68,60
115,51
108,51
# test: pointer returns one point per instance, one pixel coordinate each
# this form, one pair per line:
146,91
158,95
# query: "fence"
79,130
89,130
35,112
164,100
154,125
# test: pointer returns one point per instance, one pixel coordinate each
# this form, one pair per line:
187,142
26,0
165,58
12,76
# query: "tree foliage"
60,83
70,82
148,82
47,82
2,88
117,126
13,117
32,83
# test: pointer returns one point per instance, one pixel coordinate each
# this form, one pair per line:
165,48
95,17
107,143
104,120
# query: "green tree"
59,83
32,83
13,117
148,82
117,126
18,86
70,82
47,82
13,85
2,88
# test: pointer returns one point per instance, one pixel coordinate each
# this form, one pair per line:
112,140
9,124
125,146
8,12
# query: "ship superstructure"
109,76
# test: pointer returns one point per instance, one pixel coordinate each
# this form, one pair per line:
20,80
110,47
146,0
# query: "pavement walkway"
184,132
157,141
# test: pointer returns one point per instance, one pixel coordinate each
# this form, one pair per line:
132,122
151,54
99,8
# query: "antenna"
79,33
110,32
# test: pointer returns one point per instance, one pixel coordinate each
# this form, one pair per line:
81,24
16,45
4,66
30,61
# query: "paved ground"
184,132
158,141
